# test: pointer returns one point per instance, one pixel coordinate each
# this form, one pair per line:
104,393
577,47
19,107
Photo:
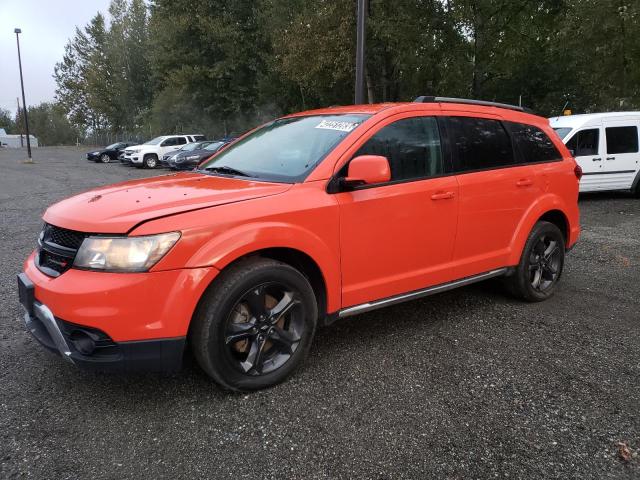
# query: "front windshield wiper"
226,171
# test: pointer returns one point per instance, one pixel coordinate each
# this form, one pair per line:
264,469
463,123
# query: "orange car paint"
467,224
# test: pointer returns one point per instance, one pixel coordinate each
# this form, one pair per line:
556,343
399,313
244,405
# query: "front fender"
247,238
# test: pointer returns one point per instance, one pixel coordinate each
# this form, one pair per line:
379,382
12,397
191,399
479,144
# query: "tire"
540,268
254,325
150,161
104,158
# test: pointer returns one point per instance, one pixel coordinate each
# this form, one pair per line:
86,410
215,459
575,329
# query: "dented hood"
118,208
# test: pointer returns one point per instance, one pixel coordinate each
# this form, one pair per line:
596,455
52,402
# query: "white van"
605,145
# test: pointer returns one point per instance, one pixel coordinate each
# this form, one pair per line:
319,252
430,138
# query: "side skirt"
405,297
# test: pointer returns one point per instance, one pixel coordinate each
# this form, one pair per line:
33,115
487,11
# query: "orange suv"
310,218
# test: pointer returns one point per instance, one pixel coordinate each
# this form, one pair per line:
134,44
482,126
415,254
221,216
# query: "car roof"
578,121
448,106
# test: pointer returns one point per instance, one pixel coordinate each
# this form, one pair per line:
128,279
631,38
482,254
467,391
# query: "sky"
46,27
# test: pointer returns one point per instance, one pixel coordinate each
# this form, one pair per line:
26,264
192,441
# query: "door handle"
611,158
524,182
597,159
442,195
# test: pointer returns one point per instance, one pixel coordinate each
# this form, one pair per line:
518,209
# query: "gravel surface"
466,384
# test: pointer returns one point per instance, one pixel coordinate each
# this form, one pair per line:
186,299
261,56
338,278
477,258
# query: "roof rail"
429,99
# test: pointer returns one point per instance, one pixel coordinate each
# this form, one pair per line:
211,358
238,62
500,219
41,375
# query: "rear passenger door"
399,236
495,192
622,156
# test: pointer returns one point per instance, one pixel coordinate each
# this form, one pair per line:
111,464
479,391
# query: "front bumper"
92,348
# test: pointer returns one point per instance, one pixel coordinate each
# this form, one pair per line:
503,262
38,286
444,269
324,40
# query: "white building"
13,141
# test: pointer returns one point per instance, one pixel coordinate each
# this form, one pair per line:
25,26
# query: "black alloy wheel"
541,263
544,262
264,329
255,324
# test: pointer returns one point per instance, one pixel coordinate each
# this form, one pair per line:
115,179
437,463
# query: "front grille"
58,248
62,237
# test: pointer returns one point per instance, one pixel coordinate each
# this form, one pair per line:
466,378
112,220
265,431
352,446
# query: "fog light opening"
83,342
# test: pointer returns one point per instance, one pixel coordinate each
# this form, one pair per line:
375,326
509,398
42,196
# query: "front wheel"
150,161
104,158
536,276
254,326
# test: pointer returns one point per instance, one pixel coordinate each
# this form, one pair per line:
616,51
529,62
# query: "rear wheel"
150,161
540,267
254,326
104,158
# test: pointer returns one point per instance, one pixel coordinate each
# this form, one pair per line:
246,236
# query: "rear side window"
480,143
585,142
411,145
533,144
622,139
198,138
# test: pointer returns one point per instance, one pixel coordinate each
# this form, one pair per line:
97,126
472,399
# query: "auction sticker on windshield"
335,125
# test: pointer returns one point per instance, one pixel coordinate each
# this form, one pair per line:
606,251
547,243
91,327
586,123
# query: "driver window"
585,142
412,146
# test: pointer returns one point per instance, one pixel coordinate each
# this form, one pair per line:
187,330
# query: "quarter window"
622,140
585,142
533,144
480,143
411,145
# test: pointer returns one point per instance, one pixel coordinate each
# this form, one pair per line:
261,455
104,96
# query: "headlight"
124,254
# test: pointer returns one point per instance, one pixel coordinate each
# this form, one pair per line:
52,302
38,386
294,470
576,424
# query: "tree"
6,121
50,125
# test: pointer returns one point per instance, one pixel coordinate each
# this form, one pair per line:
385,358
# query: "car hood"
120,207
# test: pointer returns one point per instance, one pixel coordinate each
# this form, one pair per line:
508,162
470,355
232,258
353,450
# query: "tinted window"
622,139
181,141
584,142
198,138
170,142
480,143
533,144
411,145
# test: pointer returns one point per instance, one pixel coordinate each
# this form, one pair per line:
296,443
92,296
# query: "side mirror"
367,170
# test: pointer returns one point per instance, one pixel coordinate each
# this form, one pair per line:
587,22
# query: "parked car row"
178,152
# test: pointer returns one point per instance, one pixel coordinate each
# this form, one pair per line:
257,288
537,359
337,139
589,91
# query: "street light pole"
17,31
361,29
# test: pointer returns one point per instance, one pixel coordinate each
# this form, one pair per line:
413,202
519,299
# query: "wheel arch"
288,243
550,209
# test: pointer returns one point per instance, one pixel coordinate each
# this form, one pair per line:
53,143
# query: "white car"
148,154
606,146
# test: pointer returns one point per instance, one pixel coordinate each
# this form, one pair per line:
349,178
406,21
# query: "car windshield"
285,150
155,141
190,146
214,146
112,146
563,132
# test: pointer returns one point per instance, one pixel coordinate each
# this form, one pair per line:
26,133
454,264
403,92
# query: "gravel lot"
467,384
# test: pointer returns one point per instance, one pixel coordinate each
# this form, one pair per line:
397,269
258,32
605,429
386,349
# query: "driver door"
399,236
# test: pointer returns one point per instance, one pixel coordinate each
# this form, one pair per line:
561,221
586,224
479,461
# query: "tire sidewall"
217,362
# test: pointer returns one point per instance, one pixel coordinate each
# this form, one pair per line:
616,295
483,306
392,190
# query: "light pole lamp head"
17,30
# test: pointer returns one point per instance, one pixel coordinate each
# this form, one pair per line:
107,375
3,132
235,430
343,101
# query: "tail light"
578,172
